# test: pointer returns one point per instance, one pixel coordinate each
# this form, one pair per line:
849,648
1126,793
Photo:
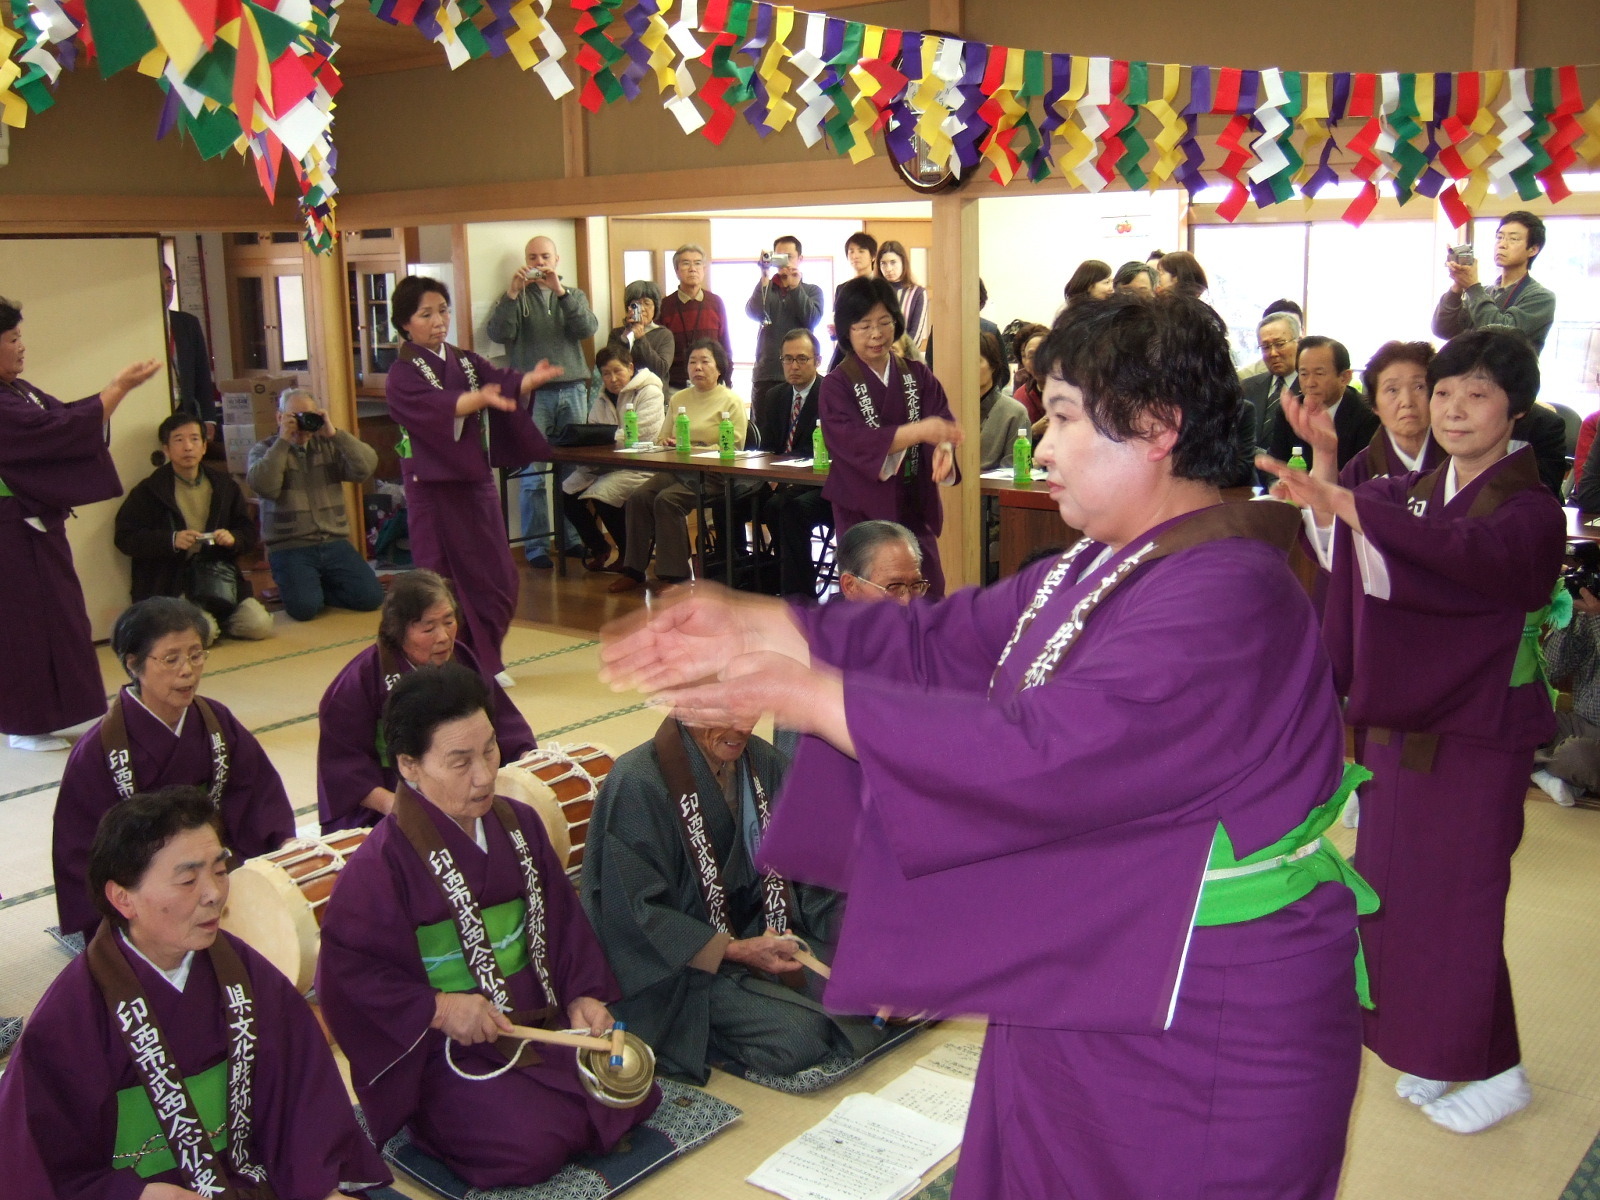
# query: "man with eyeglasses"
793,510
880,560
1517,302
781,302
1277,335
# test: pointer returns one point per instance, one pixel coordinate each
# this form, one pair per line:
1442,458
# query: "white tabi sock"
1559,790
1419,1090
1476,1106
1352,811
38,741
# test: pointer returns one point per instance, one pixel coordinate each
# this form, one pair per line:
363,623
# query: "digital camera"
1465,255
1585,574
774,260
309,422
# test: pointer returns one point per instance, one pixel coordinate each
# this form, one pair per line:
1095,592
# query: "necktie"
794,418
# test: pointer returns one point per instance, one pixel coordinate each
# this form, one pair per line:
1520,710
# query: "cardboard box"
236,442
253,403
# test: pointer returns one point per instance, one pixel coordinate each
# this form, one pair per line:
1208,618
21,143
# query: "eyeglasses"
1273,347
195,658
917,587
796,360
886,324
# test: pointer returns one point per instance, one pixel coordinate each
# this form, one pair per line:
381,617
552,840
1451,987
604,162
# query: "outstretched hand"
696,633
809,699
1313,425
540,375
1327,500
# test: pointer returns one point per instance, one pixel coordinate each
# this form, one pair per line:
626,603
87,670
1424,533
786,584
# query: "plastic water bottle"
1297,461
1022,459
727,440
630,426
819,450
680,431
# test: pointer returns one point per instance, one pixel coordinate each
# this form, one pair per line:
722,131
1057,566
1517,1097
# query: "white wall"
494,254
91,306
1030,245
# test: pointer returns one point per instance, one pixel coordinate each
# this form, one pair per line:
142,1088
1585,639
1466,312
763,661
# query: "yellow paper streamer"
779,111
1173,126
13,109
930,126
1590,146
175,32
154,64
866,88
655,40
1313,121
1079,145
1424,96
1010,113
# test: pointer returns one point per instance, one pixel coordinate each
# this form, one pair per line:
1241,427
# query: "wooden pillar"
328,294
574,137
953,293
1494,34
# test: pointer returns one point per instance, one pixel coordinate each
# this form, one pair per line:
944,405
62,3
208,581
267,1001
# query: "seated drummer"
221,1038
422,1025
416,627
160,732
706,976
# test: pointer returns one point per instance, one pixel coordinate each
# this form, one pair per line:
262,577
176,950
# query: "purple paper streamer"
1249,91
1325,174
169,111
1341,97
1199,94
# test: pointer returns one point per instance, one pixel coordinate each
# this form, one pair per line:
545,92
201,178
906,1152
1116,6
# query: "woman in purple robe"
53,457
462,417
1086,801
887,425
229,1044
159,733
1439,585
1396,383
417,627
423,1023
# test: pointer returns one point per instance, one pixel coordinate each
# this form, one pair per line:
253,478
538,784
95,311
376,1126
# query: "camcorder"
1585,573
774,260
1465,255
309,422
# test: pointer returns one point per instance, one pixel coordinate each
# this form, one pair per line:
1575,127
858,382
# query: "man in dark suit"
1543,429
193,390
1323,373
793,510
1277,335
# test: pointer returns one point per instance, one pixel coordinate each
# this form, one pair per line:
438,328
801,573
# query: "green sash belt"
140,1144
1531,663
1243,889
447,965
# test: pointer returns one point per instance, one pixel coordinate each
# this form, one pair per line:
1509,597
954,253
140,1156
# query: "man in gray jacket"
299,475
540,319
1516,302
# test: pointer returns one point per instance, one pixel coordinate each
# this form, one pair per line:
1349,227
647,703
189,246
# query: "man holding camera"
299,475
540,319
1517,302
782,303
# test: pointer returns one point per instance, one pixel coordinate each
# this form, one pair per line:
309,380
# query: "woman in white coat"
593,496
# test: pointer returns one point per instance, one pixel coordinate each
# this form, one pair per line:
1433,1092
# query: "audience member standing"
894,268
1091,281
1135,277
650,346
300,474
781,302
193,389
692,313
1182,273
1278,336
538,320
1517,302
53,456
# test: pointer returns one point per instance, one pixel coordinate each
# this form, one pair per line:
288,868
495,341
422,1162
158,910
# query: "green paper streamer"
121,34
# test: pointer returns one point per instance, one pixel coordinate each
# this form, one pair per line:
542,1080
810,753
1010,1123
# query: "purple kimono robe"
1379,458
1436,838
518,1128
348,766
1036,855
256,814
58,1097
52,456
857,452
457,525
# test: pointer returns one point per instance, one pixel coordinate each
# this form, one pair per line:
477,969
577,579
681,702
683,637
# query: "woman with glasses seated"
888,426
151,739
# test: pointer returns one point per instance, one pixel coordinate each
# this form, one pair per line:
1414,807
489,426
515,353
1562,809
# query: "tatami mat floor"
1554,920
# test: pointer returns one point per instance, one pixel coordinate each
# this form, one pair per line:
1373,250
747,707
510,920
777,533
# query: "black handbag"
214,585
585,434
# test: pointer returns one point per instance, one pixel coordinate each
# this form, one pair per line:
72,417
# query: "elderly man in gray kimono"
704,946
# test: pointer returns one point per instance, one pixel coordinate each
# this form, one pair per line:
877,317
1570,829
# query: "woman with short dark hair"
1181,272
1091,281
1440,584
461,417
648,345
1080,683
888,426
53,458
999,415
424,1023
1396,385
1024,343
184,526
168,1031
417,627
593,497
161,732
